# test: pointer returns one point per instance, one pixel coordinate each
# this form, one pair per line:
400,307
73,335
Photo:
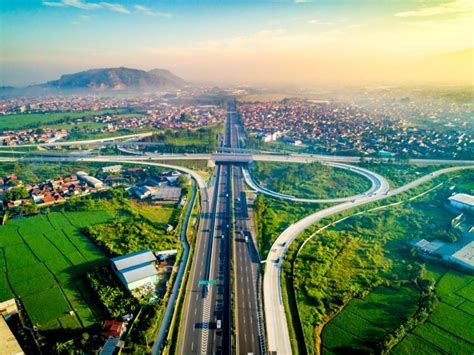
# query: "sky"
297,42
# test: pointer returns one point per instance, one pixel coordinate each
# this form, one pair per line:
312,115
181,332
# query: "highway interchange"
227,242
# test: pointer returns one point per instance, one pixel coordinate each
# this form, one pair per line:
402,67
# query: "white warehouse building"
462,201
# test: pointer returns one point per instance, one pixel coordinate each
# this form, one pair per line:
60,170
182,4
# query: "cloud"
53,4
269,40
115,7
454,7
319,22
147,11
79,4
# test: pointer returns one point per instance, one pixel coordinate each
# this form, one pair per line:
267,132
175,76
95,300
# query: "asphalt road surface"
247,281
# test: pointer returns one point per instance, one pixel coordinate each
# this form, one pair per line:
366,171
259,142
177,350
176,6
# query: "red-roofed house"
113,328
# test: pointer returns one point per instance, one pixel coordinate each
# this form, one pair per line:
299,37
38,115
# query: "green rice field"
364,322
44,260
449,329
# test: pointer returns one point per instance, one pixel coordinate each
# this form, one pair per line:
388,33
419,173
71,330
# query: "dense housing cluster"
330,127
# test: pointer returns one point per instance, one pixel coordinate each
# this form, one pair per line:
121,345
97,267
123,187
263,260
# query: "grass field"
364,322
36,120
44,257
449,328
309,180
157,214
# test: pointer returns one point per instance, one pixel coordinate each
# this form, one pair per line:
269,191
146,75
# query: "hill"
167,75
116,79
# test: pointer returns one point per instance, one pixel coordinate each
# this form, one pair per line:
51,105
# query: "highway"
224,154
278,337
208,305
247,267
207,324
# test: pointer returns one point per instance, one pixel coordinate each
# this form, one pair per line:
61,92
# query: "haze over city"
263,42
206,177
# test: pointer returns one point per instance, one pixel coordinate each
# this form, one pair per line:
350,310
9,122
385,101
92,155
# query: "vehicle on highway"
246,239
277,260
218,324
283,244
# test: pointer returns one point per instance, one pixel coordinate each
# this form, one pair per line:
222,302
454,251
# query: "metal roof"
138,272
133,259
7,339
466,255
167,193
463,198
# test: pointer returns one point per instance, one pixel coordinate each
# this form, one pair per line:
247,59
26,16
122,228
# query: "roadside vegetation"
69,288
312,180
399,172
359,287
273,216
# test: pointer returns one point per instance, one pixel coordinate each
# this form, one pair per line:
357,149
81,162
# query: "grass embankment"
272,217
312,180
364,268
175,331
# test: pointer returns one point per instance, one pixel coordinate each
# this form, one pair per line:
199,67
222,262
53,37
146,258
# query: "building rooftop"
138,272
427,246
465,255
112,328
133,259
167,193
463,198
7,339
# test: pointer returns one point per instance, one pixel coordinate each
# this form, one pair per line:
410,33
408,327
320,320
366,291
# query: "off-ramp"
275,318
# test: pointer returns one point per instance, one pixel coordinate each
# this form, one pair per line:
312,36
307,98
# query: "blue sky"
206,40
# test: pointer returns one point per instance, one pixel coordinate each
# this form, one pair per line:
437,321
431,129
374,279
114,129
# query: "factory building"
136,269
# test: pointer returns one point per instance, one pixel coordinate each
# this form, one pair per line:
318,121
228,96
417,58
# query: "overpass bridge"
236,158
